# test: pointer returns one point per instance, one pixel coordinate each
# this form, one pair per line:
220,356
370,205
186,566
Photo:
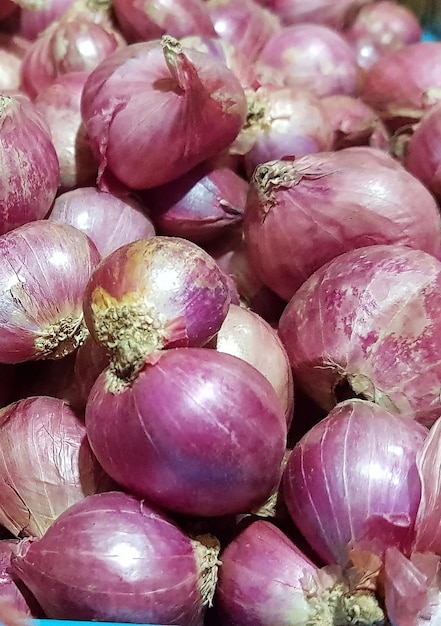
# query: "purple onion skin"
423,153
110,221
11,590
113,558
198,432
352,479
261,577
44,269
381,334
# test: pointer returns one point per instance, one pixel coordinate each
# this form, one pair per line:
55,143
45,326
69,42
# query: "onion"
245,24
44,268
265,580
151,294
29,163
140,21
335,14
341,494
412,590
12,51
167,107
354,123
200,205
91,359
381,335
282,121
399,101
300,214
37,15
13,591
423,154
108,220
120,561
380,28
197,432
49,470
248,336
311,57
59,103
75,43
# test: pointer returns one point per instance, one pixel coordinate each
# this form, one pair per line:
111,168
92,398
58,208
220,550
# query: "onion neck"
60,338
206,549
337,606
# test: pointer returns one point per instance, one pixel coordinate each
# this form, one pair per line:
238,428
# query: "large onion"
381,333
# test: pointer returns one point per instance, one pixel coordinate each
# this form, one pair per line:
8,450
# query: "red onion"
335,14
282,121
412,589
400,101
300,214
59,103
12,51
340,493
52,468
245,24
381,334
141,21
248,336
151,294
354,123
75,43
380,28
200,205
108,220
37,15
13,591
91,359
44,268
423,153
197,432
174,108
112,558
311,57
29,163
265,580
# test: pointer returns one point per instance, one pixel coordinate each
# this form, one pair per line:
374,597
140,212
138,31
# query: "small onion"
245,24
13,591
381,335
400,102
265,580
199,205
423,152
59,103
29,157
162,105
335,14
354,123
300,214
341,494
197,432
50,469
151,294
108,220
311,57
380,28
36,16
141,21
248,336
282,121
44,269
113,558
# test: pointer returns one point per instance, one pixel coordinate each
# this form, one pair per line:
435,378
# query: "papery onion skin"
423,154
227,456
199,205
44,269
158,127
152,294
108,220
323,479
311,57
300,214
248,336
59,103
400,102
368,341
52,468
28,154
139,21
148,570
261,579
